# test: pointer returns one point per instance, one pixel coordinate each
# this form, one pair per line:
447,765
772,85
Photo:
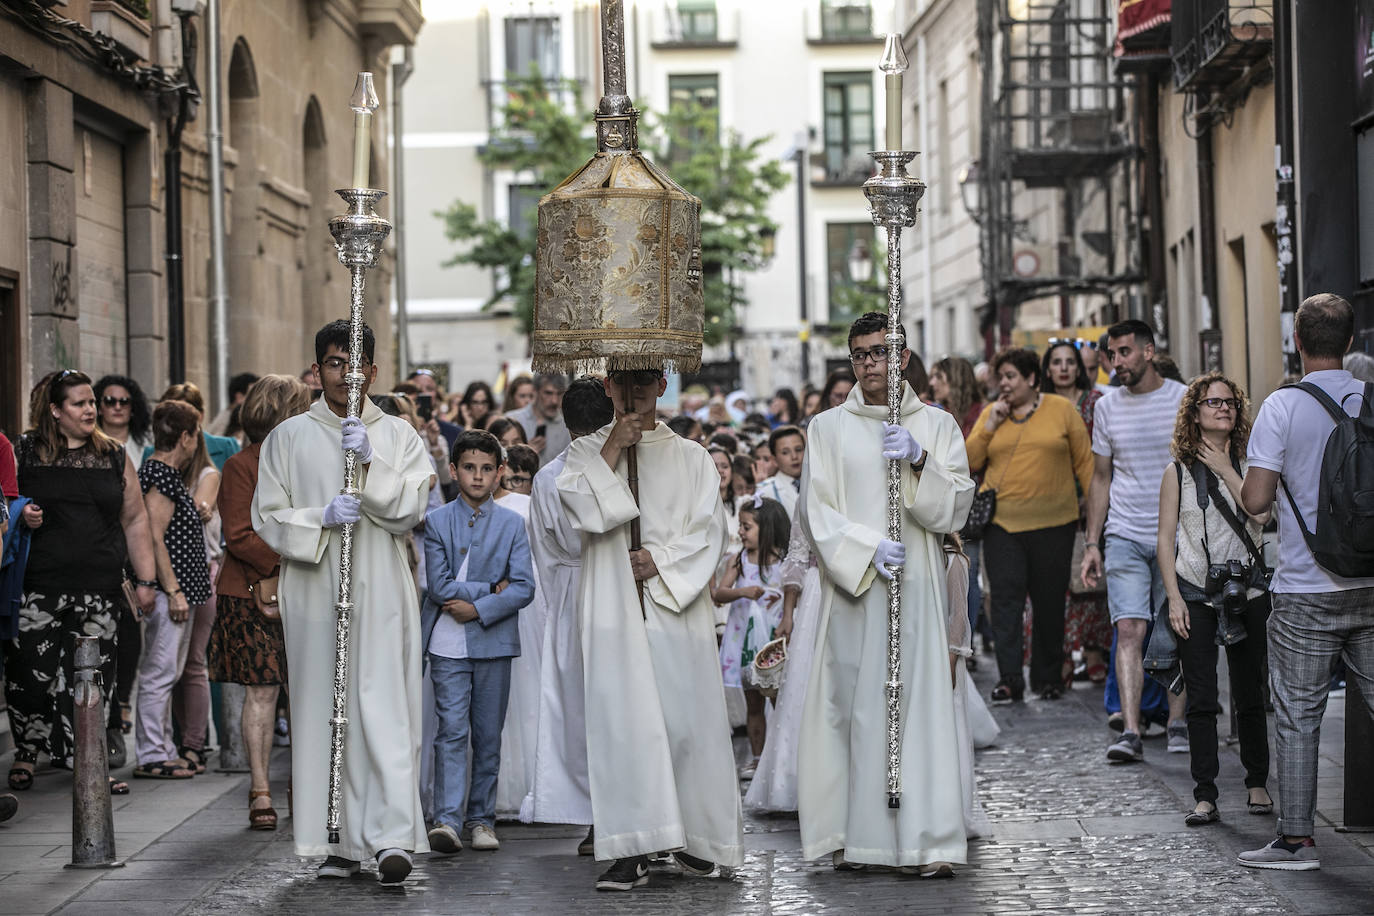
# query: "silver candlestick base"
894,198
358,237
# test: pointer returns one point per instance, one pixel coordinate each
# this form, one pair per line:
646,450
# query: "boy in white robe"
560,793
660,763
297,509
842,770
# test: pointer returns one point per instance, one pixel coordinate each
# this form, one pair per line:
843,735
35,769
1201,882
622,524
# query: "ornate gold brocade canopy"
618,261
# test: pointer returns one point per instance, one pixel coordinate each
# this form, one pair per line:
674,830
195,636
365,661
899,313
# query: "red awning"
1134,17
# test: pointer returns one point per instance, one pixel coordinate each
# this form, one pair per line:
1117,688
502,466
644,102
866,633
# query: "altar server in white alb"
661,768
297,510
560,793
842,791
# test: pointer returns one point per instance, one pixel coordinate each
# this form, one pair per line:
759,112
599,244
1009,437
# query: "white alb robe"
559,793
842,772
301,470
660,762
522,709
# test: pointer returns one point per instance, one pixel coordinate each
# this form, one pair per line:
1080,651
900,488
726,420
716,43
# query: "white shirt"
1289,437
1134,430
781,488
450,638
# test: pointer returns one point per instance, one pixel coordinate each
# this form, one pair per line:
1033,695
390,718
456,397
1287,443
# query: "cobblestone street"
1071,834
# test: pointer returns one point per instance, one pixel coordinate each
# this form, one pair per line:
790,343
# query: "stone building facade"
93,84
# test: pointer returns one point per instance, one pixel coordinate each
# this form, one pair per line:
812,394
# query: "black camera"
1227,583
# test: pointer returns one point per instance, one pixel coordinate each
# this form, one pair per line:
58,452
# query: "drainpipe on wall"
1207,250
219,293
400,72
1286,204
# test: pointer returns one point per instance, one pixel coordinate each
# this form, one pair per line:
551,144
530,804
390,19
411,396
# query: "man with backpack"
1315,442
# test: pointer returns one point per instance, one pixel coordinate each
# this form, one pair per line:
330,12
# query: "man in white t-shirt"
1318,617
1133,426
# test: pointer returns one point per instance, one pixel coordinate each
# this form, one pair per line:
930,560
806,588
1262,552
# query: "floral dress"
751,623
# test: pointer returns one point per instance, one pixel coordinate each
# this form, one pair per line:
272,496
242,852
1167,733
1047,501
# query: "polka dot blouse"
185,538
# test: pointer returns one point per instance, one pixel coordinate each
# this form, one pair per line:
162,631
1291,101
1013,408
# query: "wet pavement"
1070,834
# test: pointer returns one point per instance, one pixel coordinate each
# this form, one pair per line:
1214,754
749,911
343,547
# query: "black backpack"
1343,543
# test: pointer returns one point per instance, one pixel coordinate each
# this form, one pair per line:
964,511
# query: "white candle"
892,65
364,103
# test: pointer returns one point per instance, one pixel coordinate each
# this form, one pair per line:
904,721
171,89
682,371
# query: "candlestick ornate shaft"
358,237
893,198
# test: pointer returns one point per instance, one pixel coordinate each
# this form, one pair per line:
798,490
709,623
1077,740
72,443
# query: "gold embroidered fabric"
618,271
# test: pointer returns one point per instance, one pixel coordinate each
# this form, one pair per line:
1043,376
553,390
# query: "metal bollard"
232,758
93,839
1359,755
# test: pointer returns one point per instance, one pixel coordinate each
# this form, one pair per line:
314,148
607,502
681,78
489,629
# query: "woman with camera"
1216,583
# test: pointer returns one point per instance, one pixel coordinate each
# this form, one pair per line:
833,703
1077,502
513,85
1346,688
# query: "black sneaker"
588,844
625,875
1005,693
1127,750
694,866
9,806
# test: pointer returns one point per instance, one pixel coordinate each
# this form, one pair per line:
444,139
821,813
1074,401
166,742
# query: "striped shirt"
1135,430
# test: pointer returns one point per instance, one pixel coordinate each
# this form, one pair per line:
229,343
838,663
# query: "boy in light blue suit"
477,567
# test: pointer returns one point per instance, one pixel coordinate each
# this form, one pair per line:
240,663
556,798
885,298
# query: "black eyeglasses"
339,363
111,401
518,480
872,355
1218,403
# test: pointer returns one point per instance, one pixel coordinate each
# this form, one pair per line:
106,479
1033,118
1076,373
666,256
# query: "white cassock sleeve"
845,548
686,565
396,483
297,533
596,499
938,498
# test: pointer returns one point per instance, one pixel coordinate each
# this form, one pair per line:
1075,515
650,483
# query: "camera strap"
1236,524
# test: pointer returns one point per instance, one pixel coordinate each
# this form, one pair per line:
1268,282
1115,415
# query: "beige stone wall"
1247,275
284,279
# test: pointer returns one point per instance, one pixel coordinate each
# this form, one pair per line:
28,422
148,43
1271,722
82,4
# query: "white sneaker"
444,838
1178,737
393,865
484,838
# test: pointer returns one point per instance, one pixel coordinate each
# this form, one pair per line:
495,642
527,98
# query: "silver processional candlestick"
358,237
894,198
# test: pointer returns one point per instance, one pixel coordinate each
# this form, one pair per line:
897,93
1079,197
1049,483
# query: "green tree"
540,137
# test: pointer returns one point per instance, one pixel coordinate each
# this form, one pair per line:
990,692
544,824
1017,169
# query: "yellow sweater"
1035,485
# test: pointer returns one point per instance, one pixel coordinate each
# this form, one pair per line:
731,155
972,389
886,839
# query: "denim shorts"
1134,586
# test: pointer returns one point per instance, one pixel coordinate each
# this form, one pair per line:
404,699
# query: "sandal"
21,779
261,818
1200,816
118,786
170,769
116,748
126,718
1260,807
194,759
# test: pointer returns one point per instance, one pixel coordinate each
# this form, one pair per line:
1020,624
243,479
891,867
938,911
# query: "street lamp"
860,263
970,177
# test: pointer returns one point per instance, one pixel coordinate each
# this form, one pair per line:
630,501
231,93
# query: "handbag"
264,593
984,505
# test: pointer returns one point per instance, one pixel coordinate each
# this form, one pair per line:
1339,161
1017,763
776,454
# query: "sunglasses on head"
1078,343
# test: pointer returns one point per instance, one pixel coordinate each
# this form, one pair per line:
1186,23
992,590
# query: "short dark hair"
681,424
240,383
873,323
726,441
1144,334
336,334
170,420
522,458
1022,359
499,426
475,440
782,432
586,406
1324,324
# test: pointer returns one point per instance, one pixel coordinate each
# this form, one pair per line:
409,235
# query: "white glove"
889,553
355,438
900,444
342,510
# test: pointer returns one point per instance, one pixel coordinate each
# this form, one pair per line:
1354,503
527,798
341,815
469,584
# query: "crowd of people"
566,599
